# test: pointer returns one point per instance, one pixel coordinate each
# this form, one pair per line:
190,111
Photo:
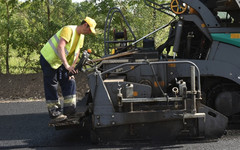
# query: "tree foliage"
27,25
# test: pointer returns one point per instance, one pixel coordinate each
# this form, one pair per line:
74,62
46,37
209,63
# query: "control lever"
83,60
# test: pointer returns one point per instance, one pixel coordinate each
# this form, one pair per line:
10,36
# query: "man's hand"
71,77
71,69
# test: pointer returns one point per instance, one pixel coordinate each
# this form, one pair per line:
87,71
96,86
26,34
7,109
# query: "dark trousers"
51,79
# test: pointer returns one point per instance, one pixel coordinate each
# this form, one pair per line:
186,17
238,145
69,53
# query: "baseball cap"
92,24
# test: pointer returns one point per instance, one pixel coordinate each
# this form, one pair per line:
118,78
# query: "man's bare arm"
62,55
75,61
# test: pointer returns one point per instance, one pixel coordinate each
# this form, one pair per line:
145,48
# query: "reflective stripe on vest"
54,48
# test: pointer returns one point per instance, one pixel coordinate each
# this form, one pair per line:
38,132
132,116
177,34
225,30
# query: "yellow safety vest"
50,53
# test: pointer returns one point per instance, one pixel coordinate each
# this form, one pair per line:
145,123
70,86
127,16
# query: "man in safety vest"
58,58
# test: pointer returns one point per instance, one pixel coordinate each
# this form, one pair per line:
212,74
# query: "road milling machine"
143,93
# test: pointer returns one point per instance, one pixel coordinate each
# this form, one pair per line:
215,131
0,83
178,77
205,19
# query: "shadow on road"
32,130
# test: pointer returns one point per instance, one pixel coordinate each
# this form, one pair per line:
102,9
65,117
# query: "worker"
58,58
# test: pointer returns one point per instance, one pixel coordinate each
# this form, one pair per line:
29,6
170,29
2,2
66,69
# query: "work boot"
58,119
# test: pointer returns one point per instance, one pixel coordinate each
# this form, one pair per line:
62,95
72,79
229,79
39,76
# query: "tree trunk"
8,37
48,12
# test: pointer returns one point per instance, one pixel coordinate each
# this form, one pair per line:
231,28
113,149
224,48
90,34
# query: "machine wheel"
225,98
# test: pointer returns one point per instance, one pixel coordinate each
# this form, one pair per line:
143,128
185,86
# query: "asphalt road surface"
24,125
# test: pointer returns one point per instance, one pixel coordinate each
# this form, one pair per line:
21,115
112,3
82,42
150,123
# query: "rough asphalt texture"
24,125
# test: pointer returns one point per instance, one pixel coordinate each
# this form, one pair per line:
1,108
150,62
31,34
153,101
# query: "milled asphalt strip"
21,101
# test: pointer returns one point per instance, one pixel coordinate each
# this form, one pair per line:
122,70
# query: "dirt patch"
30,86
